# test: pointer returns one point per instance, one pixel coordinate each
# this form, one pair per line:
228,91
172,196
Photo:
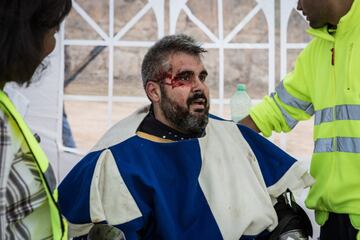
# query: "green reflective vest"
325,84
59,226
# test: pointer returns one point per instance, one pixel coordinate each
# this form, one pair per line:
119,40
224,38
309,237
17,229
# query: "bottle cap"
241,87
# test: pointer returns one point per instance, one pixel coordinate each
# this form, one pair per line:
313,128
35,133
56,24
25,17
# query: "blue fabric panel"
158,183
273,161
77,185
129,228
218,118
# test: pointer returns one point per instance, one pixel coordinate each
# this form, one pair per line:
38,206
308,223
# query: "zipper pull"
37,137
333,56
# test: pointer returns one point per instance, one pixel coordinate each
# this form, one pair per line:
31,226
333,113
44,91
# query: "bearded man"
172,170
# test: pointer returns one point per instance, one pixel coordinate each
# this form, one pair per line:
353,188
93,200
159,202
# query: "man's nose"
198,84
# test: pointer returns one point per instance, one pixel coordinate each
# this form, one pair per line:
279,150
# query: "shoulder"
122,130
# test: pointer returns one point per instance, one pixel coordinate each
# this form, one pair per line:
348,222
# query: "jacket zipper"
334,138
334,142
348,72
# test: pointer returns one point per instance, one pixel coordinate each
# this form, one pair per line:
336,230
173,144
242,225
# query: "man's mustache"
197,96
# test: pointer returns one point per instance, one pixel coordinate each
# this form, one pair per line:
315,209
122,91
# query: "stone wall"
245,66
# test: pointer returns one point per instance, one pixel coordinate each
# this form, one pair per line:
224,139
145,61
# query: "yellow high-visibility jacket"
325,83
58,224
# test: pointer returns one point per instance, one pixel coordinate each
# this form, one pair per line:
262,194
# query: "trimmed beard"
181,117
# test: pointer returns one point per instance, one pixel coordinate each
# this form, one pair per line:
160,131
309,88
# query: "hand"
247,121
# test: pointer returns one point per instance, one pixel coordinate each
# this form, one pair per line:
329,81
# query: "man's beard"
181,117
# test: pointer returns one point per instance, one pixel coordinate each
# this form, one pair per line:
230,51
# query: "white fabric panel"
79,229
122,130
110,199
290,180
231,177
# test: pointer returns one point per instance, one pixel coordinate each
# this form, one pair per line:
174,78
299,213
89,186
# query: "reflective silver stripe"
324,115
50,178
342,112
346,144
290,121
343,144
323,145
347,112
286,98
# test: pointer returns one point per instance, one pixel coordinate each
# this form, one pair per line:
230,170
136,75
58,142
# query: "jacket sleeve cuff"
267,117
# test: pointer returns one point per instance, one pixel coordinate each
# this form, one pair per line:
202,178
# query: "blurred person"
173,171
28,194
67,136
325,84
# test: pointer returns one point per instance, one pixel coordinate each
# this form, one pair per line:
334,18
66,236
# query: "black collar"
152,126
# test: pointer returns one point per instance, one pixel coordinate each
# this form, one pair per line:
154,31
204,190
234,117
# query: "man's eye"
184,77
202,77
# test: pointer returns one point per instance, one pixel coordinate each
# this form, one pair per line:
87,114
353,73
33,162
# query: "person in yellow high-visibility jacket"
325,83
28,193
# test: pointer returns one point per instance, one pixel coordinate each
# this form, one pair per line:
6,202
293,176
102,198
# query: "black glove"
293,221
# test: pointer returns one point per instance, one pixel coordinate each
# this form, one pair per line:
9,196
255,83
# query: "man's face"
184,95
317,12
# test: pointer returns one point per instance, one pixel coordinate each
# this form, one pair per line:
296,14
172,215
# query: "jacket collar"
346,23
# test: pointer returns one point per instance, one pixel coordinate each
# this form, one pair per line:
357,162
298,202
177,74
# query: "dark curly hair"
157,56
23,26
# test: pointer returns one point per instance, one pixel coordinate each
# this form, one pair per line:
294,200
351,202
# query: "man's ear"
153,91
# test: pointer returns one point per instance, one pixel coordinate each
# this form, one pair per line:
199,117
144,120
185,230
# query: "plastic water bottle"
240,103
